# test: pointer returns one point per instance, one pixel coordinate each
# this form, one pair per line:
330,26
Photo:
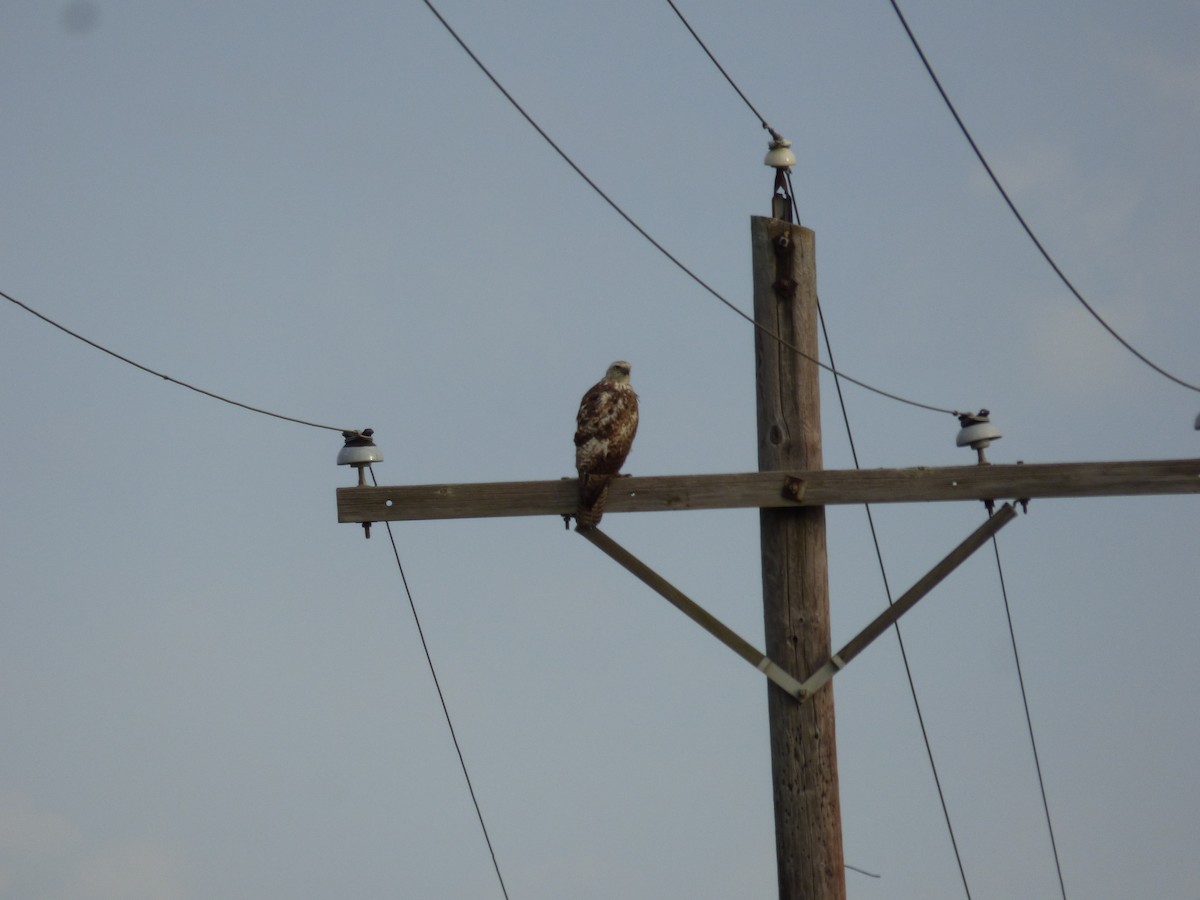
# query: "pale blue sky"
209,688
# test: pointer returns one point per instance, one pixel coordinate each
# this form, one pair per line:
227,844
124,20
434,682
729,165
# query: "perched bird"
604,430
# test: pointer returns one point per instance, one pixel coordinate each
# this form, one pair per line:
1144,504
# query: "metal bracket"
785,286
793,488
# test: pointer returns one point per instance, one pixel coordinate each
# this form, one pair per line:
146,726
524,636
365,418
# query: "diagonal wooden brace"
908,600
694,611
762,662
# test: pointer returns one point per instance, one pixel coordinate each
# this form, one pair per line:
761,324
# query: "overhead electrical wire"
1037,763
987,168
887,590
1020,218
191,387
442,699
720,68
395,550
645,234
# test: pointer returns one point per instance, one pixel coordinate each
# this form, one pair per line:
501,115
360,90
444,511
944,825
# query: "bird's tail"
593,495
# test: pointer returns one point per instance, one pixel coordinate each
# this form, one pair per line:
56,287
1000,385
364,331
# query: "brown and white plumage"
604,429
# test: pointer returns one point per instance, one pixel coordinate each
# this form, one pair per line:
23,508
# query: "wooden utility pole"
795,575
791,490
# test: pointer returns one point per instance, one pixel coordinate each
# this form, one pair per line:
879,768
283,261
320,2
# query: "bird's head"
618,372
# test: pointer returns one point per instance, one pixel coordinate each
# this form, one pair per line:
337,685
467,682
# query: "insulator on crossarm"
359,452
977,432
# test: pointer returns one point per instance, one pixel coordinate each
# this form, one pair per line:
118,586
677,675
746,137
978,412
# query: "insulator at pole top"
780,155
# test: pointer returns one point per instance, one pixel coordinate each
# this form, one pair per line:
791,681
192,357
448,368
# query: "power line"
442,699
645,234
1021,219
1029,719
987,168
721,69
887,589
137,365
862,871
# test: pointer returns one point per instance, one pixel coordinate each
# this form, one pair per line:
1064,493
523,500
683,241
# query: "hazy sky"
210,688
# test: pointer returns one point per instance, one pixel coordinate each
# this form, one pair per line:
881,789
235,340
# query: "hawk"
604,430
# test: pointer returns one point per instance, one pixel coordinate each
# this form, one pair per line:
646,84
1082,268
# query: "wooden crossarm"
773,489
